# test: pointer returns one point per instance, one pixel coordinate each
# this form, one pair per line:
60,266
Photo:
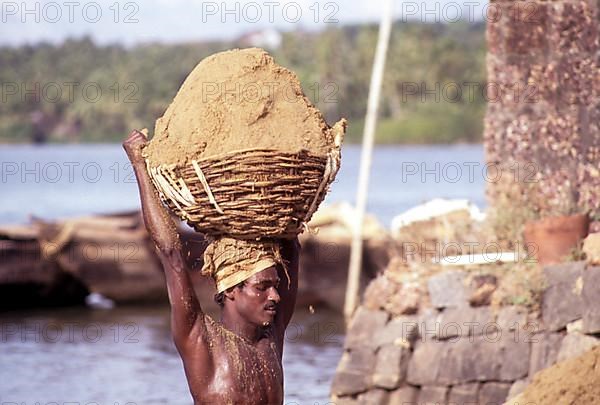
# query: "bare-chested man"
236,360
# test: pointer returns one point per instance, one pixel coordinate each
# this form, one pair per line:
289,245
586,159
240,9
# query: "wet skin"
236,360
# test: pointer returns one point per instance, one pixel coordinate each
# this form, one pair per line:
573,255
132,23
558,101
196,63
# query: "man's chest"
243,374
254,368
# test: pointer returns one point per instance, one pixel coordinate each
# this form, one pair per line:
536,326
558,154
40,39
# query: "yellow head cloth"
230,261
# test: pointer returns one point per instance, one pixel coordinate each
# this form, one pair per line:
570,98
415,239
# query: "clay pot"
551,239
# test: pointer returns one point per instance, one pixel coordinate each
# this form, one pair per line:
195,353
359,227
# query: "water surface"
55,181
126,355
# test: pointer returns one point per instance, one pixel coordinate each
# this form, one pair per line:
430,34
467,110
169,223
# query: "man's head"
255,300
246,278
231,261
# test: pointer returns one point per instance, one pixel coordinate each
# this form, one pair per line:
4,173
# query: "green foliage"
428,124
333,65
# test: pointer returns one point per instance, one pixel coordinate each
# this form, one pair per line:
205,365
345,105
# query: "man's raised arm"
185,308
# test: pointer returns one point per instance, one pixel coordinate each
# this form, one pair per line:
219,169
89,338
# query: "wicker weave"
247,194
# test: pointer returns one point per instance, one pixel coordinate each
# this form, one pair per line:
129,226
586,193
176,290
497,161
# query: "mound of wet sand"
575,381
236,100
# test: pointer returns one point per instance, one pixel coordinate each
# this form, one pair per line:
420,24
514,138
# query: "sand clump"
237,100
575,381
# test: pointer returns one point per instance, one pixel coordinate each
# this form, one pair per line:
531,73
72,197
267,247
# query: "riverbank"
383,139
436,89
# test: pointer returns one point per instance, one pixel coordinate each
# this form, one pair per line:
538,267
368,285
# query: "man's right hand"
134,144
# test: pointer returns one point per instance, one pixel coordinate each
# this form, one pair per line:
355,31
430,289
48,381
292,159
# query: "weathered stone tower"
542,126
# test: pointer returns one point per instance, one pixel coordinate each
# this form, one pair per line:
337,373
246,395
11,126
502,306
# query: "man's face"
258,300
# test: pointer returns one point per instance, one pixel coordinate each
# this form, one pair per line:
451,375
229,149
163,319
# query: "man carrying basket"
248,172
238,361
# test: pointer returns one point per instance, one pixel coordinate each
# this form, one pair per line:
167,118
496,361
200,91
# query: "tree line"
79,91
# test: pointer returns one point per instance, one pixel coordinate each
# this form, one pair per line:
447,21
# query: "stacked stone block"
453,353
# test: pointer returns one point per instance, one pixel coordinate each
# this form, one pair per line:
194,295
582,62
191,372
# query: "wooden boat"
59,263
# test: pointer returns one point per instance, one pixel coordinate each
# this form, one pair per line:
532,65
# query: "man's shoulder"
212,327
217,332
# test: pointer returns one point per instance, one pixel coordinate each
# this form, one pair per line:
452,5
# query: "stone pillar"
542,127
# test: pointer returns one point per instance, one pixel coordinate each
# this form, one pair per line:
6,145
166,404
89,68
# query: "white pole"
354,268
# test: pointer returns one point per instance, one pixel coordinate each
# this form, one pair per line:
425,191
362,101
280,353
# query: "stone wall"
544,108
450,352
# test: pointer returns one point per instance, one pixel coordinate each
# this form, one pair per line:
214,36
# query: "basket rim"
226,155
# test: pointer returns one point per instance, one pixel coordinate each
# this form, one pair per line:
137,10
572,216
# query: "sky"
172,21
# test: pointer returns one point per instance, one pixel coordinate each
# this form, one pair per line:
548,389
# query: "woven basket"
248,194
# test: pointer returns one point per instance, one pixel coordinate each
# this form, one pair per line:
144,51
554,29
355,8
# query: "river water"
125,355
56,181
